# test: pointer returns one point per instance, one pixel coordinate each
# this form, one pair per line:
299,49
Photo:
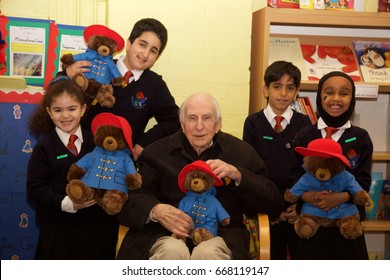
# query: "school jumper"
140,101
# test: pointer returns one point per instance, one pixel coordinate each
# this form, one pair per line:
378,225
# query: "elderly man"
151,213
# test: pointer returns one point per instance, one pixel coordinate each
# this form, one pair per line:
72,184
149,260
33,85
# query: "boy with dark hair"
144,94
273,141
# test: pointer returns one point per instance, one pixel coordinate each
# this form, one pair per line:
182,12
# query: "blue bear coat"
204,209
343,181
103,68
107,170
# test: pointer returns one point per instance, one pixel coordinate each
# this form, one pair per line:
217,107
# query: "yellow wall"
208,47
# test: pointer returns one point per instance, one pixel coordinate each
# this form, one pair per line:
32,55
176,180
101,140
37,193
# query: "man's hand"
173,219
137,151
223,169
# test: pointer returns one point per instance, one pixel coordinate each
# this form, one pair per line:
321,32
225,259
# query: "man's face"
200,122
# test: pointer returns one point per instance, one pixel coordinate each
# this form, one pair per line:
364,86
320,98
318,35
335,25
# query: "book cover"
384,6
374,193
339,5
320,60
287,49
307,4
384,201
374,60
292,4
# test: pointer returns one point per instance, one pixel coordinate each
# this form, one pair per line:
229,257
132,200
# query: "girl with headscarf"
335,105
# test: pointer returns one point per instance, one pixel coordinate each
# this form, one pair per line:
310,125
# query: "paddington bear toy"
108,172
198,182
102,44
325,171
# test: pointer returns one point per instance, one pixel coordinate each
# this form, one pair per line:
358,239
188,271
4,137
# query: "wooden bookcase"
296,21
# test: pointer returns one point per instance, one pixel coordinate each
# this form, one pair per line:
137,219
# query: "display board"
18,228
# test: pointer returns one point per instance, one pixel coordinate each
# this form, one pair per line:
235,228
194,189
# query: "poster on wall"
63,39
26,48
18,229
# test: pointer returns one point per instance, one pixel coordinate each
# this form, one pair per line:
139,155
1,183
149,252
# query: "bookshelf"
333,28
320,26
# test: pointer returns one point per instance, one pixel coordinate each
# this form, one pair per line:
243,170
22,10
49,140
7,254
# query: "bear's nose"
110,141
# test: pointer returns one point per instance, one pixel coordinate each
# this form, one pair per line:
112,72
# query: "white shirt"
270,115
123,69
335,136
66,203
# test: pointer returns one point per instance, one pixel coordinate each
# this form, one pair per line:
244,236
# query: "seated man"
151,212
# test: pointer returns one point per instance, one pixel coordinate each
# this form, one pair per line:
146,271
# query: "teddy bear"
102,44
198,182
325,164
108,172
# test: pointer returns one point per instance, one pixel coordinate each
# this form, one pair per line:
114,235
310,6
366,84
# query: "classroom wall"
208,47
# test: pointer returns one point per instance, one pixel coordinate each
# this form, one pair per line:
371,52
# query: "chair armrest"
264,237
121,234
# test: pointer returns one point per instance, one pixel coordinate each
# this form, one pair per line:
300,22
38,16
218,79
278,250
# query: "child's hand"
78,68
328,200
78,206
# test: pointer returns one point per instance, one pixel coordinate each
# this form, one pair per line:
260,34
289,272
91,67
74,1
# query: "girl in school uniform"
66,230
335,105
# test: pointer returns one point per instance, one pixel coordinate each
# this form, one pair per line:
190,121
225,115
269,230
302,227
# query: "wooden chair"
262,234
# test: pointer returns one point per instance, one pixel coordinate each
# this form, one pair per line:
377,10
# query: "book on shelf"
320,60
374,193
303,105
374,60
292,4
384,201
288,49
384,6
343,5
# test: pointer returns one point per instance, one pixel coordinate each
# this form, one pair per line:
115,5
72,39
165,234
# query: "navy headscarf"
328,119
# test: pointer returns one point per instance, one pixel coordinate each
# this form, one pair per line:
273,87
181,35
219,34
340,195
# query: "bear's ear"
188,179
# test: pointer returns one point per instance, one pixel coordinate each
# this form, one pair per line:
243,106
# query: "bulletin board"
18,229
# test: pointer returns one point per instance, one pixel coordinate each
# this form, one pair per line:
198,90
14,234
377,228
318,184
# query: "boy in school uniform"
144,94
271,132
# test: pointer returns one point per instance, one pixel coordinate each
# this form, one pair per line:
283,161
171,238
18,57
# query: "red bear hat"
327,148
196,165
114,120
102,30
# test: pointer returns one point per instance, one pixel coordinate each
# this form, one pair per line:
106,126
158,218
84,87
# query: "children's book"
320,60
307,4
287,49
374,60
384,6
293,4
375,193
384,201
339,5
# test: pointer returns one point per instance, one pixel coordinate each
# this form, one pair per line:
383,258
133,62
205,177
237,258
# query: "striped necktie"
71,146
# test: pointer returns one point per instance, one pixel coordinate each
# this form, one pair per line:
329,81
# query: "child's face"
336,95
66,112
143,53
281,94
